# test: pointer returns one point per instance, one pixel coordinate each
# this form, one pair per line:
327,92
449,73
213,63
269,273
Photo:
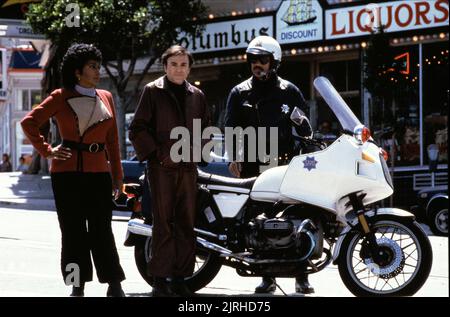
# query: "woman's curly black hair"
75,58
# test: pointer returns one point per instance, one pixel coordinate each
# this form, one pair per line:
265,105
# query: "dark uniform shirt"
255,103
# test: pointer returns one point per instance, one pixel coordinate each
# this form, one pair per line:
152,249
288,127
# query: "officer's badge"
285,108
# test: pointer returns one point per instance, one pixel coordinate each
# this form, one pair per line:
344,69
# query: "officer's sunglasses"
262,59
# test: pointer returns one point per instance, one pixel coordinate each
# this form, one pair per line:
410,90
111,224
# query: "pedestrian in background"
23,167
85,169
5,165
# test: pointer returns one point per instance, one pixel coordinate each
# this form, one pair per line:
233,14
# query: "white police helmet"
263,45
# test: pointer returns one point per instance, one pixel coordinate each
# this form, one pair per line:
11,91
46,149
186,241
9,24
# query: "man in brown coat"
170,102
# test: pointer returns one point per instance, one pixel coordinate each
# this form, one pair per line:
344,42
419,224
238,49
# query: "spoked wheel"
206,266
401,267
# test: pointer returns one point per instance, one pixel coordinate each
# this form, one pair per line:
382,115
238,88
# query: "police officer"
266,100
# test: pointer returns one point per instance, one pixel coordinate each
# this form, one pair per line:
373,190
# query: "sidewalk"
33,192
26,191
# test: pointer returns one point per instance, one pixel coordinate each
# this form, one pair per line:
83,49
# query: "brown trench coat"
173,186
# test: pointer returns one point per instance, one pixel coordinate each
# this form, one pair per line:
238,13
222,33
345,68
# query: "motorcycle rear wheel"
406,264
207,265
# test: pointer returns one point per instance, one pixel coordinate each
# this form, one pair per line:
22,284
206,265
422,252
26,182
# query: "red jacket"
102,131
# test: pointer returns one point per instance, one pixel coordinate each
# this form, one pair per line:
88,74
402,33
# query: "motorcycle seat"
212,179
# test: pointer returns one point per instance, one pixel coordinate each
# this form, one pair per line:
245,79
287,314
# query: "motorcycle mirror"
297,116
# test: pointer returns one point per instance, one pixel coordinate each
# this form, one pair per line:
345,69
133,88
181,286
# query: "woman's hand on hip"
235,168
60,153
118,189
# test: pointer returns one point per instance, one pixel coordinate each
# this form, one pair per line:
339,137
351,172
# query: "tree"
123,30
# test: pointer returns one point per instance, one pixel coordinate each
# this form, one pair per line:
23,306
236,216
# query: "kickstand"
279,287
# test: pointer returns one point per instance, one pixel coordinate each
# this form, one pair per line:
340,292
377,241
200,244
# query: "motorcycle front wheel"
403,266
206,267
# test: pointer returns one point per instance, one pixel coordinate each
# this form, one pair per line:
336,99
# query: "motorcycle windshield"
341,110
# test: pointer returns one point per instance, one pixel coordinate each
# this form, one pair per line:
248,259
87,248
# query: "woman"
82,177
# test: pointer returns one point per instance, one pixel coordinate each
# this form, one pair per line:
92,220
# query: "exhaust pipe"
138,227
214,247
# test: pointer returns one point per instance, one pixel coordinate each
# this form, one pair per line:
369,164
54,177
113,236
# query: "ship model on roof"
299,12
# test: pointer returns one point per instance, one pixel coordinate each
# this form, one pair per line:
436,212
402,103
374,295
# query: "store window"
394,119
28,99
298,73
435,98
345,76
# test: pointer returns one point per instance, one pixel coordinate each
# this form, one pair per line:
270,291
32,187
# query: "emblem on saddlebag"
309,163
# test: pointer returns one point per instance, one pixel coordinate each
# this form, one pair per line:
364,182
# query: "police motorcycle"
318,210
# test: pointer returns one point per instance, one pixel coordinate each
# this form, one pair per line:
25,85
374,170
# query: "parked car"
432,209
132,170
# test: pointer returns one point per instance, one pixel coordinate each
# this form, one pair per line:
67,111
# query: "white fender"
381,211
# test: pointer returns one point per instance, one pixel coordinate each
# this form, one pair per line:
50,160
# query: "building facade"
330,38
23,92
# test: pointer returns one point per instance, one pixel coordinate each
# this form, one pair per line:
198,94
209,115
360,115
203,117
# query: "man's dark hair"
75,58
176,50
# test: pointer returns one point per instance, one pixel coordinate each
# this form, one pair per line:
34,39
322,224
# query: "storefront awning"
25,59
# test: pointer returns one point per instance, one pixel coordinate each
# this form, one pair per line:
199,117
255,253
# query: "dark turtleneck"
179,91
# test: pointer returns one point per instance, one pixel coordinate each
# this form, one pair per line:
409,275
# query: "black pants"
84,207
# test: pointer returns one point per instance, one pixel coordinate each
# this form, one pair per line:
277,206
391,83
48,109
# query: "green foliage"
123,30
117,27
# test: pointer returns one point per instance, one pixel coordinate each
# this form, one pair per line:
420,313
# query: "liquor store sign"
394,15
299,21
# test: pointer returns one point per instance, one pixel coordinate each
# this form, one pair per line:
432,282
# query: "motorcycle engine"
280,237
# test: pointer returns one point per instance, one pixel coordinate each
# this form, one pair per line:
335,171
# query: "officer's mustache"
259,70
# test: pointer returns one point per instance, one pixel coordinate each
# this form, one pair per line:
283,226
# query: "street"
30,255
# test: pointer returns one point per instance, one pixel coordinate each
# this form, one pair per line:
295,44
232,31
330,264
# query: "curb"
49,205
32,204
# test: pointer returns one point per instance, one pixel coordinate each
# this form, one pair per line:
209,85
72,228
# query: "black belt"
92,147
